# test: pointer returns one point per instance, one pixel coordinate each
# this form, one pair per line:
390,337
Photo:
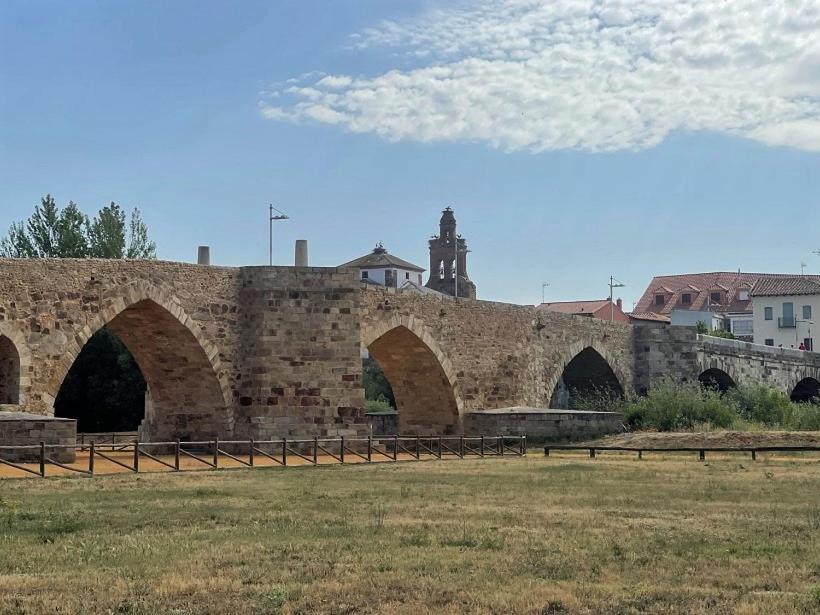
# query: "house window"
742,327
715,297
788,315
807,312
808,343
406,275
660,299
743,295
686,299
769,341
768,313
364,275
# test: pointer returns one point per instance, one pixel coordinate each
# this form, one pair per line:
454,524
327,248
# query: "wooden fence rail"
315,451
700,450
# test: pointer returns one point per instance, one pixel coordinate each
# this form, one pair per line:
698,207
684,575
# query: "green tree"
69,233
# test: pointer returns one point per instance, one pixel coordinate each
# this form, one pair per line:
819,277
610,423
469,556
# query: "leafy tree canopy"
69,233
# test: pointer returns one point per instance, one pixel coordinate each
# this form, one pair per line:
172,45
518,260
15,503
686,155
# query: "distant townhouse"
784,309
599,308
383,269
719,299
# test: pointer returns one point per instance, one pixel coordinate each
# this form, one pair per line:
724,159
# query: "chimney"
203,255
620,304
301,258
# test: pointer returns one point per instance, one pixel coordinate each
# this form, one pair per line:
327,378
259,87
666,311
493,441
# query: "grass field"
559,535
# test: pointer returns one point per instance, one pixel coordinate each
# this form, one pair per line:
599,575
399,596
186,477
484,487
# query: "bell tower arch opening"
587,379
424,396
9,372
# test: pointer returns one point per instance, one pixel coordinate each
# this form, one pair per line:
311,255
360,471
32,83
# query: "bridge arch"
15,366
188,395
585,365
420,374
717,378
806,389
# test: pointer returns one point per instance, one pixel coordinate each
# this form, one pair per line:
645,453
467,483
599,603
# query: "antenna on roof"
803,268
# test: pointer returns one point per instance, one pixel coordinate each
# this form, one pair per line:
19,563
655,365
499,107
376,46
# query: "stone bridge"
267,352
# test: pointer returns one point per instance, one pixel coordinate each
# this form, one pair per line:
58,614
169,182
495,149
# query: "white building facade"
784,309
384,269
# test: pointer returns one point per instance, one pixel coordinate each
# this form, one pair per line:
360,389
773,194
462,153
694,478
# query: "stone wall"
259,351
543,426
491,354
26,429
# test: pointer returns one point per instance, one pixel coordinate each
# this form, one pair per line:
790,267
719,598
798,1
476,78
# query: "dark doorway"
104,389
587,383
807,390
714,378
9,372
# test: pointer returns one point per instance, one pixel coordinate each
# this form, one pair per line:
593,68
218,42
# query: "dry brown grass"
559,535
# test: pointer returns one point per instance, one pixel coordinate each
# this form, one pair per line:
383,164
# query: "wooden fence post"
439,447
341,449
395,447
546,452
754,454
250,453
216,453
702,455
176,454
592,453
640,454
369,447
501,445
418,447
482,446
136,455
524,445
91,458
43,459
284,452
315,450
461,446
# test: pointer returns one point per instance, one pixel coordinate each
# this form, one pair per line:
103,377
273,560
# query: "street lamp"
613,283
271,219
543,290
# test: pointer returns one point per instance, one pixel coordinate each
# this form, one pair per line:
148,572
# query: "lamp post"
613,283
271,219
543,290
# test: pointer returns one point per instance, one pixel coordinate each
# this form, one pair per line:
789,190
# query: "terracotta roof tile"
792,285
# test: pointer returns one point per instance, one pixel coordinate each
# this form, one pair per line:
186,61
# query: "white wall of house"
691,318
786,332
378,275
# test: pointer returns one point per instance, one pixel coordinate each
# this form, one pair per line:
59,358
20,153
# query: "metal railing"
209,454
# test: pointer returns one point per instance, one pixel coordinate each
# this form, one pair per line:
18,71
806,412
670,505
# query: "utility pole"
613,283
271,219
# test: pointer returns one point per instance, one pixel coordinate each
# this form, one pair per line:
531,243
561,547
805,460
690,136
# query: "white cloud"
597,75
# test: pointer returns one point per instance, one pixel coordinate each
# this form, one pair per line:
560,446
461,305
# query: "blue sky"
363,119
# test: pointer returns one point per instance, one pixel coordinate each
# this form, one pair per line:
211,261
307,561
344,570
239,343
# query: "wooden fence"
700,450
246,453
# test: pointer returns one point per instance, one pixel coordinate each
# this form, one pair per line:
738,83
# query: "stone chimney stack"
301,258
203,255
620,304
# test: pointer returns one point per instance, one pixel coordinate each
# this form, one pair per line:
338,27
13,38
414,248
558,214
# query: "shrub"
761,404
674,405
597,399
378,405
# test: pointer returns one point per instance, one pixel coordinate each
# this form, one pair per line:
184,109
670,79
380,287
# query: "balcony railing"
787,322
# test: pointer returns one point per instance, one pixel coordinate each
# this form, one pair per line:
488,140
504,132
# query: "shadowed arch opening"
587,379
807,390
424,397
717,379
9,372
183,397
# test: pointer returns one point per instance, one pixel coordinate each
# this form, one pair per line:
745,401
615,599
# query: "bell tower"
448,259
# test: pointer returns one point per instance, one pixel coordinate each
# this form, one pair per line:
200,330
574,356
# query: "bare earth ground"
564,534
737,439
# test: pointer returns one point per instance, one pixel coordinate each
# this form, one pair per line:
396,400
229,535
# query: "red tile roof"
648,316
576,307
784,286
700,286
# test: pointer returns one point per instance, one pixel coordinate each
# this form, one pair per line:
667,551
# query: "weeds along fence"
178,456
701,451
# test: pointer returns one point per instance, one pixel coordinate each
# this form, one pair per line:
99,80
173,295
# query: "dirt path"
739,439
